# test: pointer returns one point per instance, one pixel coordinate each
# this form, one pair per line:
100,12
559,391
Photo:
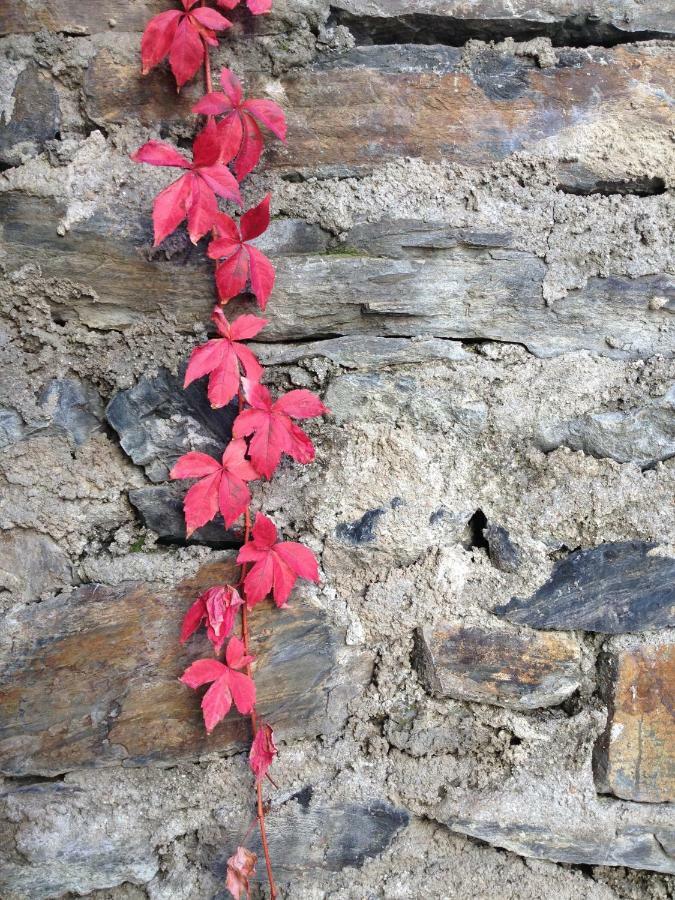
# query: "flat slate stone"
94,683
634,758
158,421
35,117
353,111
520,671
308,837
160,508
615,588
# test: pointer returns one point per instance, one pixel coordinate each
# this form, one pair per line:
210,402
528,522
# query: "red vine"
225,151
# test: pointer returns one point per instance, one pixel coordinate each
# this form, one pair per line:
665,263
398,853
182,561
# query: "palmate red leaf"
240,868
263,750
217,609
193,196
227,685
221,358
276,564
241,262
222,486
271,429
180,35
242,118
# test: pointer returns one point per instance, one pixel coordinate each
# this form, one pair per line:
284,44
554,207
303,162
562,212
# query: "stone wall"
473,234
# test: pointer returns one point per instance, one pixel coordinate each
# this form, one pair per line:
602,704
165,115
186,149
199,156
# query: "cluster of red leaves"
224,152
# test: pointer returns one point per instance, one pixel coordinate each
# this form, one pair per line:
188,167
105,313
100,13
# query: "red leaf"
220,488
202,672
156,153
271,428
263,751
217,609
232,276
169,208
231,86
180,35
276,564
258,7
209,18
228,684
206,146
216,702
241,866
202,209
187,51
261,274
255,220
239,266
252,146
269,114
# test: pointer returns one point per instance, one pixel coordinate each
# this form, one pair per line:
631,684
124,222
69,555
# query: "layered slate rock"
615,588
428,102
158,420
31,564
634,759
308,837
521,671
454,21
95,682
461,286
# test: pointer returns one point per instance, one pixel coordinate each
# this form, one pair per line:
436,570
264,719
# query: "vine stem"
245,633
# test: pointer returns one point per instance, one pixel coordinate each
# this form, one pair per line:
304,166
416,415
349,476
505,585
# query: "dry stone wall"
473,235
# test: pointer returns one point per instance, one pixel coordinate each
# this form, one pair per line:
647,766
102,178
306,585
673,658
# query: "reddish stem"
244,611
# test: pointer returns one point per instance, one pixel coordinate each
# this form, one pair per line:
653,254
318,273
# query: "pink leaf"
195,465
209,18
187,52
255,220
202,672
263,751
157,38
216,702
156,153
261,275
170,208
270,114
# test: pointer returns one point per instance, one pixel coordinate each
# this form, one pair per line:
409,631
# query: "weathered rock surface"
158,421
451,21
634,757
463,292
35,117
614,588
96,683
413,101
645,435
31,564
521,671
501,549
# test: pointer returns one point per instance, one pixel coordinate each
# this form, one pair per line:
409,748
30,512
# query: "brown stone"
78,16
90,678
427,102
522,671
635,757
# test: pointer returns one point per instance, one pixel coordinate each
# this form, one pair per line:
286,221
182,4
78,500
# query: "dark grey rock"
12,428
501,550
306,838
35,117
363,530
615,588
161,509
73,406
158,421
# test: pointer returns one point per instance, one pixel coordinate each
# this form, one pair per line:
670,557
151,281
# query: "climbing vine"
225,151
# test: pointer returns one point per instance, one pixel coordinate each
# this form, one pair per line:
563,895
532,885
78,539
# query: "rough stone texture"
96,685
633,759
614,588
525,671
473,233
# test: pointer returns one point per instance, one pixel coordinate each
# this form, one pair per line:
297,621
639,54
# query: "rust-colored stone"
635,757
500,667
423,102
91,678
